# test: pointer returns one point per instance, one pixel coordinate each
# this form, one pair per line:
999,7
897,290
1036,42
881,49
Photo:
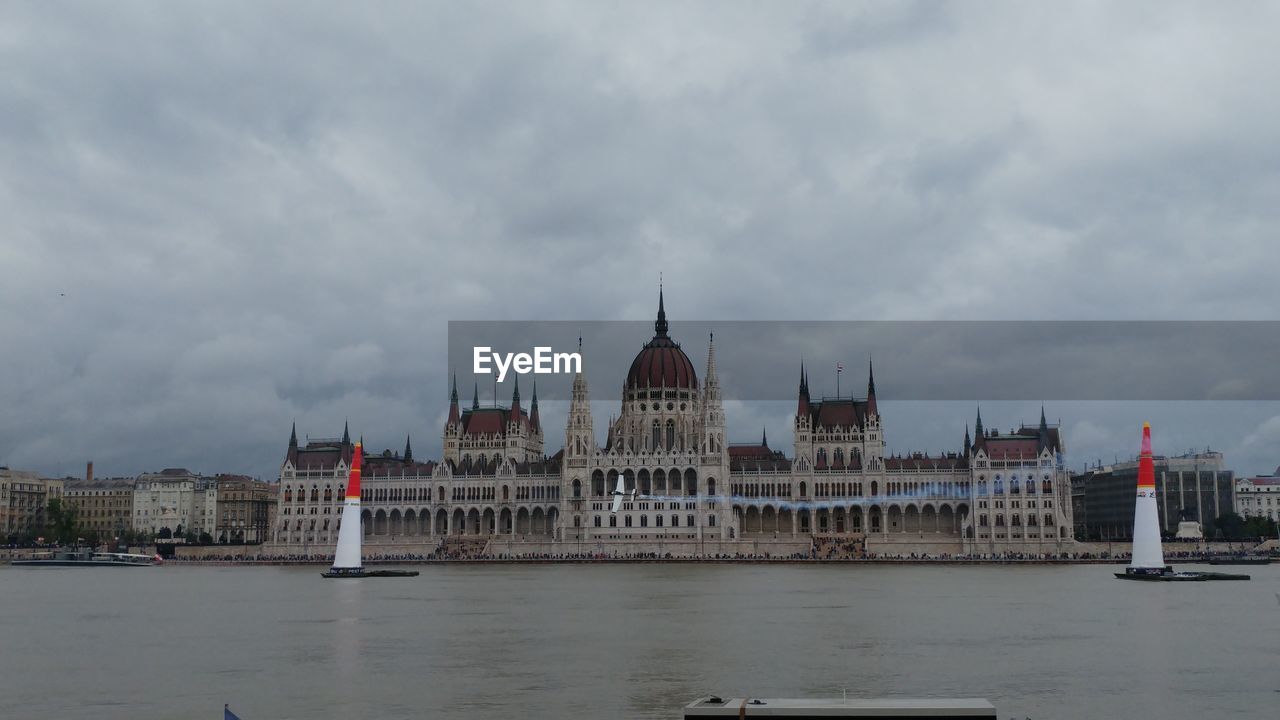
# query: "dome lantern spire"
660,326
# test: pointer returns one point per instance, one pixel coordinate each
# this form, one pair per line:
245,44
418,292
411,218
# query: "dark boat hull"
370,574
1180,577
74,563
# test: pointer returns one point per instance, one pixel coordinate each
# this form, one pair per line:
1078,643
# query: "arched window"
671,434
804,489
711,520
711,486
328,494
315,493
657,436
675,521
577,489
613,521
597,521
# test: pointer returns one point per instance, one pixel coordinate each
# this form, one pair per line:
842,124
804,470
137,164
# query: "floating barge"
1168,574
86,558
363,573
818,709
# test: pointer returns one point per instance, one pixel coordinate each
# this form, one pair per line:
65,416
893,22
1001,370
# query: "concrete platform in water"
863,709
1168,574
359,574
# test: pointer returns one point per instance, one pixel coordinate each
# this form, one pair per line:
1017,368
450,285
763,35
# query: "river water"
629,641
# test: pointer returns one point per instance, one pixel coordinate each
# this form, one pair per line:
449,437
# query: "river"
629,641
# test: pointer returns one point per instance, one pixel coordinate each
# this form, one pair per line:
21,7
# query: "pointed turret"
871,389
535,422
408,450
764,437
713,424
579,432
1044,432
515,402
660,326
346,433
802,404
475,398
454,413
293,446
967,444
977,427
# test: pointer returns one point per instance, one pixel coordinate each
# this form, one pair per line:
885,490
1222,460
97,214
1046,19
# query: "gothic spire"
764,437
534,420
346,434
293,436
977,427
453,402
475,398
660,327
871,389
408,450
967,444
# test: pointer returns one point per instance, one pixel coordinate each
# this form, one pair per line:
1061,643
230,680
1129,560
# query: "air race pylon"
1147,551
347,557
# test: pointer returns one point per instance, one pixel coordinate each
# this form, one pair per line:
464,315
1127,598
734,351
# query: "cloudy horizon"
225,218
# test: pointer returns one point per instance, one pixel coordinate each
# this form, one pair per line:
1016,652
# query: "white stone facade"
997,494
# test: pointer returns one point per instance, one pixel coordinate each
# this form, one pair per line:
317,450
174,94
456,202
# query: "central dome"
661,364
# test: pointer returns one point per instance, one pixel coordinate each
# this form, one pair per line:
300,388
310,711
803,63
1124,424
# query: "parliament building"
496,490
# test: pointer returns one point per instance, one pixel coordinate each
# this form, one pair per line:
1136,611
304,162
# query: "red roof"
661,364
489,421
841,412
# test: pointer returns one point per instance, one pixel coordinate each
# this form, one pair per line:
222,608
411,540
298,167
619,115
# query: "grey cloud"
268,212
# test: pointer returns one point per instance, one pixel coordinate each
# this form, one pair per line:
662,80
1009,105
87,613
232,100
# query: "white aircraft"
620,494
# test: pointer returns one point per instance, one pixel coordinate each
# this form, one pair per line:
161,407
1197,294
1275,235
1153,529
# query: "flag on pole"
227,714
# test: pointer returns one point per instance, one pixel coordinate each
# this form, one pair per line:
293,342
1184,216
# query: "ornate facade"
998,493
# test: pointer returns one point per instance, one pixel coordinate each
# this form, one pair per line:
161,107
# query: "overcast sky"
219,218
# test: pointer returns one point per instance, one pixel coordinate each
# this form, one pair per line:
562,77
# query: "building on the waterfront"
695,491
177,500
104,506
245,508
24,499
1189,488
1259,496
